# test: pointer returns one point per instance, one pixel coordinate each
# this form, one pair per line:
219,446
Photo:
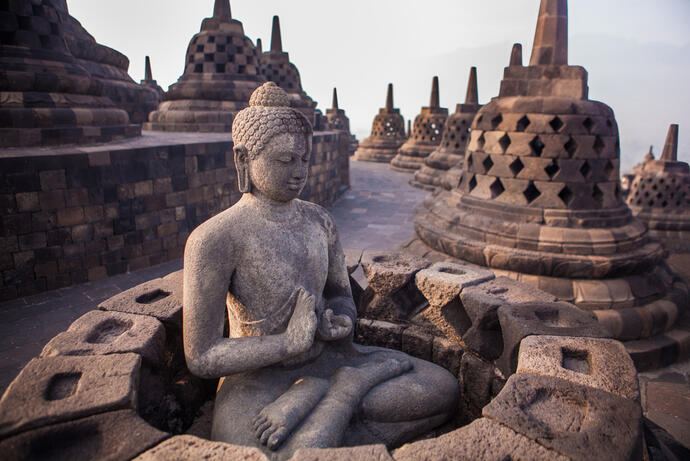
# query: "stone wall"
73,215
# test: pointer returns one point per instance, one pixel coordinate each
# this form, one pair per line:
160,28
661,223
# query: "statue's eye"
285,158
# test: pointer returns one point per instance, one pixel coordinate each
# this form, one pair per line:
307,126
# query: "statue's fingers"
277,438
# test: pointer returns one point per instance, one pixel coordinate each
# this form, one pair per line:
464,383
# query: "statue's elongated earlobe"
242,166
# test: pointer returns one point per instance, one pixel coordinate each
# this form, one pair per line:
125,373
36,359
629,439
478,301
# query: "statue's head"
272,145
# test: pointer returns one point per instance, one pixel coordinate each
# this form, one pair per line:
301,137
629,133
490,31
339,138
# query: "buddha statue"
290,375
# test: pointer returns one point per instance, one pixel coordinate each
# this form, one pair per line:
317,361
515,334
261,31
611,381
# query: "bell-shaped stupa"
276,67
338,121
426,135
456,133
221,72
540,200
387,134
659,196
110,67
48,96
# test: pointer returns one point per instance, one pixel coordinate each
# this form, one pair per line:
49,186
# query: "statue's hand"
299,334
333,327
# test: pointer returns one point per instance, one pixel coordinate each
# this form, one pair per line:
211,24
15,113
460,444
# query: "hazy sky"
637,52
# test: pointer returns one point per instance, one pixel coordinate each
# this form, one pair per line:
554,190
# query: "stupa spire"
472,96
434,103
259,46
335,99
670,153
276,40
516,55
221,10
148,75
551,37
389,98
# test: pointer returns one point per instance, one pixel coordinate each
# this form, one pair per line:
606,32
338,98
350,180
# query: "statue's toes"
277,438
266,434
258,421
261,430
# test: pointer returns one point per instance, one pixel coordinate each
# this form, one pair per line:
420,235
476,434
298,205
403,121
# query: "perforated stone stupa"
47,97
149,81
426,135
337,120
540,201
660,196
221,71
109,67
276,67
451,152
387,134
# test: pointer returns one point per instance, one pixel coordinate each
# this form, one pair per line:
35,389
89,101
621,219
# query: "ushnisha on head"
272,145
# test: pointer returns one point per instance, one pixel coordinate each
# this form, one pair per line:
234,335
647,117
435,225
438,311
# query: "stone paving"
375,213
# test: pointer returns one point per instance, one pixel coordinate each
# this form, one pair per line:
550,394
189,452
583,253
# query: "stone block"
483,439
594,362
476,379
55,389
69,217
352,259
447,355
190,448
52,180
417,343
555,319
160,298
576,421
388,272
443,281
116,435
379,333
27,201
103,333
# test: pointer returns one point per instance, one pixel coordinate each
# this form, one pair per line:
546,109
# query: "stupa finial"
516,55
389,98
472,96
259,46
551,37
670,153
335,99
276,40
434,102
148,75
221,10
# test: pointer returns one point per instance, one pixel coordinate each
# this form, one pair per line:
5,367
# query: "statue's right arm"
208,267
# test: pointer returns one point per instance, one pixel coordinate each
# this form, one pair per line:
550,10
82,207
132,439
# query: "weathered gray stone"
115,435
361,453
56,389
191,448
103,333
160,298
556,319
447,354
388,272
352,259
577,421
443,281
477,379
594,362
482,440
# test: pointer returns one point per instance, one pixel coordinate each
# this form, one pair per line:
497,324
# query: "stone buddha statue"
290,375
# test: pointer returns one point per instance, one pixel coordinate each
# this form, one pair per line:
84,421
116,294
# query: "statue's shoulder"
318,214
218,230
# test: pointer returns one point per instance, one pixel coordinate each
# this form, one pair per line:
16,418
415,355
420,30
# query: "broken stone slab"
594,362
443,281
55,389
352,259
447,354
360,453
379,333
191,448
160,298
388,272
115,435
554,319
103,333
576,421
417,343
479,382
483,439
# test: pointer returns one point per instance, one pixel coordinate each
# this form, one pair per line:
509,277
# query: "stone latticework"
387,134
540,199
426,135
110,68
221,72
659,196
47,97
276,67
456,134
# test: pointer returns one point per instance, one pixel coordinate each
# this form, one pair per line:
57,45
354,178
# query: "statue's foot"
277,420
355,382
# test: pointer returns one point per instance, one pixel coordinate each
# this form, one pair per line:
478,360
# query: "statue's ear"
242,166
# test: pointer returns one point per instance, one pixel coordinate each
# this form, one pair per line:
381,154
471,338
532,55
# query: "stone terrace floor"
377,212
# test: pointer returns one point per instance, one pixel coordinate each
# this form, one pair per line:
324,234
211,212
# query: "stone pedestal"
387,134
426,135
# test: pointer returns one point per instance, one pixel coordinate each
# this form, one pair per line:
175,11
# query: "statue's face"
280,170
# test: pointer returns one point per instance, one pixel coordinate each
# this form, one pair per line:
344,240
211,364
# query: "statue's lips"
295,185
